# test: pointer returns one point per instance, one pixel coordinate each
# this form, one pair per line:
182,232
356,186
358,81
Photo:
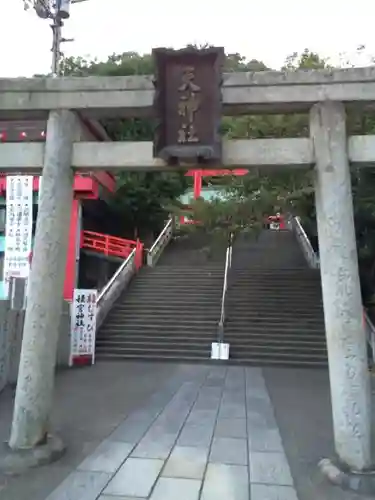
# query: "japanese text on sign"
18,226
188,105
83,323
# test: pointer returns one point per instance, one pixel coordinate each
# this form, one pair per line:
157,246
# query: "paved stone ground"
192,432
209,434
301,399
89,404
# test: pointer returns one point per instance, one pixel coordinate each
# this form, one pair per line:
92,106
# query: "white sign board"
219,350
18,227
83,324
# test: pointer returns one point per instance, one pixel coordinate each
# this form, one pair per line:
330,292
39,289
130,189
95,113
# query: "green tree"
145,198
250,198
142,199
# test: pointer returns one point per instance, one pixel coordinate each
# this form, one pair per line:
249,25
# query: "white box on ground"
219,350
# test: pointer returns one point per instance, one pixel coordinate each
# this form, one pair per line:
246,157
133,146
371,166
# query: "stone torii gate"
324,94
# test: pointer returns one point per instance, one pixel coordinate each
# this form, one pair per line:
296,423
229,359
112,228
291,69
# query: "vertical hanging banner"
18,227
188,105
83,327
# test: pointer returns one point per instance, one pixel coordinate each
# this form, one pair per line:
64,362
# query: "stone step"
161,327
190,329
255,360
196,343
166,319
121,313
171,312
195,337
205,350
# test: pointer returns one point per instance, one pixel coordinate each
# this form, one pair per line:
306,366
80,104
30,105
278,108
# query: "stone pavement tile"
181,403
151,447
81,485
171,423
266,492
168,488
202,417
162,428
234,383
130,431
217,372
226,482
186,462
232,411
259,392
237,397
229,451
196,435
108,457
210,392
265,440
270,468
203,403
256,420
254,375
259,404
135,478
231,427
147,414
213,382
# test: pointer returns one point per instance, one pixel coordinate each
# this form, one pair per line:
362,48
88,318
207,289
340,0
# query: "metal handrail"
311,254
104,290
165,229
228,265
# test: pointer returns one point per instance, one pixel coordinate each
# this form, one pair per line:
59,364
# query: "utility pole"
56,45
56,11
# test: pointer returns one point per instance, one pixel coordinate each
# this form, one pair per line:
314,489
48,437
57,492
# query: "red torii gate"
198,179
199,174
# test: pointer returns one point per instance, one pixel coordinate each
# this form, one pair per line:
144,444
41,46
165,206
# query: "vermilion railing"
112,245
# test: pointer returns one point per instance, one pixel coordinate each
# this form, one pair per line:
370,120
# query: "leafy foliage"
142,198
145,198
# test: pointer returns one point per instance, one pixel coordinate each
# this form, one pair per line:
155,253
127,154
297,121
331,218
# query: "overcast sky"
268,30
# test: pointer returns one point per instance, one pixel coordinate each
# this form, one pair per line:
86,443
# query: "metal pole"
56,13
56,45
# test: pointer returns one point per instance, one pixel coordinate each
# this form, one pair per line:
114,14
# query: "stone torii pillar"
343,313
34,394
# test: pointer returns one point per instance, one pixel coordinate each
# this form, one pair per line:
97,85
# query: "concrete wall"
10,353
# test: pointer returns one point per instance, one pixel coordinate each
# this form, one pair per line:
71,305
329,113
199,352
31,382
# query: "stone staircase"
171,311
274,304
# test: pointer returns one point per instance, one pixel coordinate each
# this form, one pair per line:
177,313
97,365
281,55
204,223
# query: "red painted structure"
199,174
86,187
112,246
197,190
198,181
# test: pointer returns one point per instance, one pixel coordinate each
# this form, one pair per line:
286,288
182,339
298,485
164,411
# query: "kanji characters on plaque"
18,227
83,324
